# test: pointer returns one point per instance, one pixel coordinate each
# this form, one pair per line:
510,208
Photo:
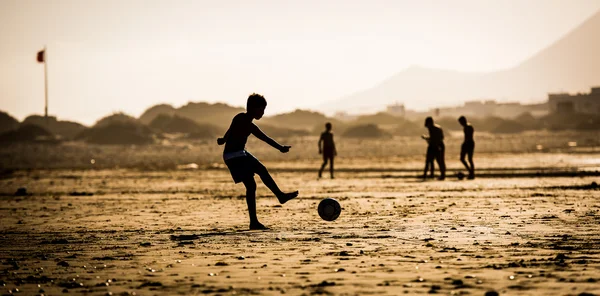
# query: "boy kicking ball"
244,165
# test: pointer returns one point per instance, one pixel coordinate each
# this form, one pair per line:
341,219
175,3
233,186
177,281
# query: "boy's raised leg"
264,175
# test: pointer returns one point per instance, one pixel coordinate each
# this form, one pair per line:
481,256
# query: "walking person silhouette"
435,148
243,165
468,146
327,148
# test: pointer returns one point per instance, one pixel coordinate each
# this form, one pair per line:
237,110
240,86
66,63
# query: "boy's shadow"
187,237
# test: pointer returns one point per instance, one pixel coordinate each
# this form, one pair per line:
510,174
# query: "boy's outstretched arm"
262,136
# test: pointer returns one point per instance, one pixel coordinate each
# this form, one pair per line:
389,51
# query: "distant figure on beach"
468,146
327,148
243,165
435,149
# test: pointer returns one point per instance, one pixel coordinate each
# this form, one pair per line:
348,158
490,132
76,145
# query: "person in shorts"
468,146
243,165
435,148
327,148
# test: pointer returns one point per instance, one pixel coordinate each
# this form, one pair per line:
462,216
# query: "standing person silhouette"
243,165
468,146
429,159
327,148
435,148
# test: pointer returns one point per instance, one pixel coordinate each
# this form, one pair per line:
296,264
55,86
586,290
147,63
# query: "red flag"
41,56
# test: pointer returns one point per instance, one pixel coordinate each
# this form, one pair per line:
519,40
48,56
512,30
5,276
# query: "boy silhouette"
328,149
468,146
435,148
243,165
429,158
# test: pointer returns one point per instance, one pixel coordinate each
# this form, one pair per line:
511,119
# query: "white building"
580,103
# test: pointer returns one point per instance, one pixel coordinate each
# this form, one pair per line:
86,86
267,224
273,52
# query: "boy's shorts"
328,153
467,148
242,165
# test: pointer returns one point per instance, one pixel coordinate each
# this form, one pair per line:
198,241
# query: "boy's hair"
256,100
462,119
328,125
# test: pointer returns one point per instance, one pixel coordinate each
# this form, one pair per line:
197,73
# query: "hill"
26,133
217,114
63,129
118,133
365,131
116,118
301,120
208,116
151,113
7,122
176,124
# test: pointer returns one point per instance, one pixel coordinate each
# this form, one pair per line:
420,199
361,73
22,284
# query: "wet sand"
185,232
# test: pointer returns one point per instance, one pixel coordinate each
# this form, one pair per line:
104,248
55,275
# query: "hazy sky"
127,55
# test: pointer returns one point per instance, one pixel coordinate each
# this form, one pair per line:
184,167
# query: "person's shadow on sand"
187,237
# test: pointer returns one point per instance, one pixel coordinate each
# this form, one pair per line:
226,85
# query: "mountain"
572,64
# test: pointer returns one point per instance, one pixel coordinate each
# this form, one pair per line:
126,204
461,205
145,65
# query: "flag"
41,55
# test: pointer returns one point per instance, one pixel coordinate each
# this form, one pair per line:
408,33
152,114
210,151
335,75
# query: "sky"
107,56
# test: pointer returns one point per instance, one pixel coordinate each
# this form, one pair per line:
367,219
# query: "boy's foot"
284,197
471,177
258,226
441,178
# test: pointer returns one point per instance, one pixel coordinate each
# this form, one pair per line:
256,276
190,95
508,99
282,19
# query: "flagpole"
46,85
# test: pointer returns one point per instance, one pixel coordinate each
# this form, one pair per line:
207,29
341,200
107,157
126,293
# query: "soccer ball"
329,209
460,175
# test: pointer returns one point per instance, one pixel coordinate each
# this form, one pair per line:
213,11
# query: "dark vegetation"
368,130
65,130
26,133
204,121
123,133
7,122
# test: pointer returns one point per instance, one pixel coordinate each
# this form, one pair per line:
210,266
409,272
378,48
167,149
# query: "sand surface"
127,232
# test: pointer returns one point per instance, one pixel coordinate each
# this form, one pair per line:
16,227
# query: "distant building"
396,109
580,103
341,115
491,108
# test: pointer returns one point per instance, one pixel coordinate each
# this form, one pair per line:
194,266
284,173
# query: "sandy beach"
184,232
